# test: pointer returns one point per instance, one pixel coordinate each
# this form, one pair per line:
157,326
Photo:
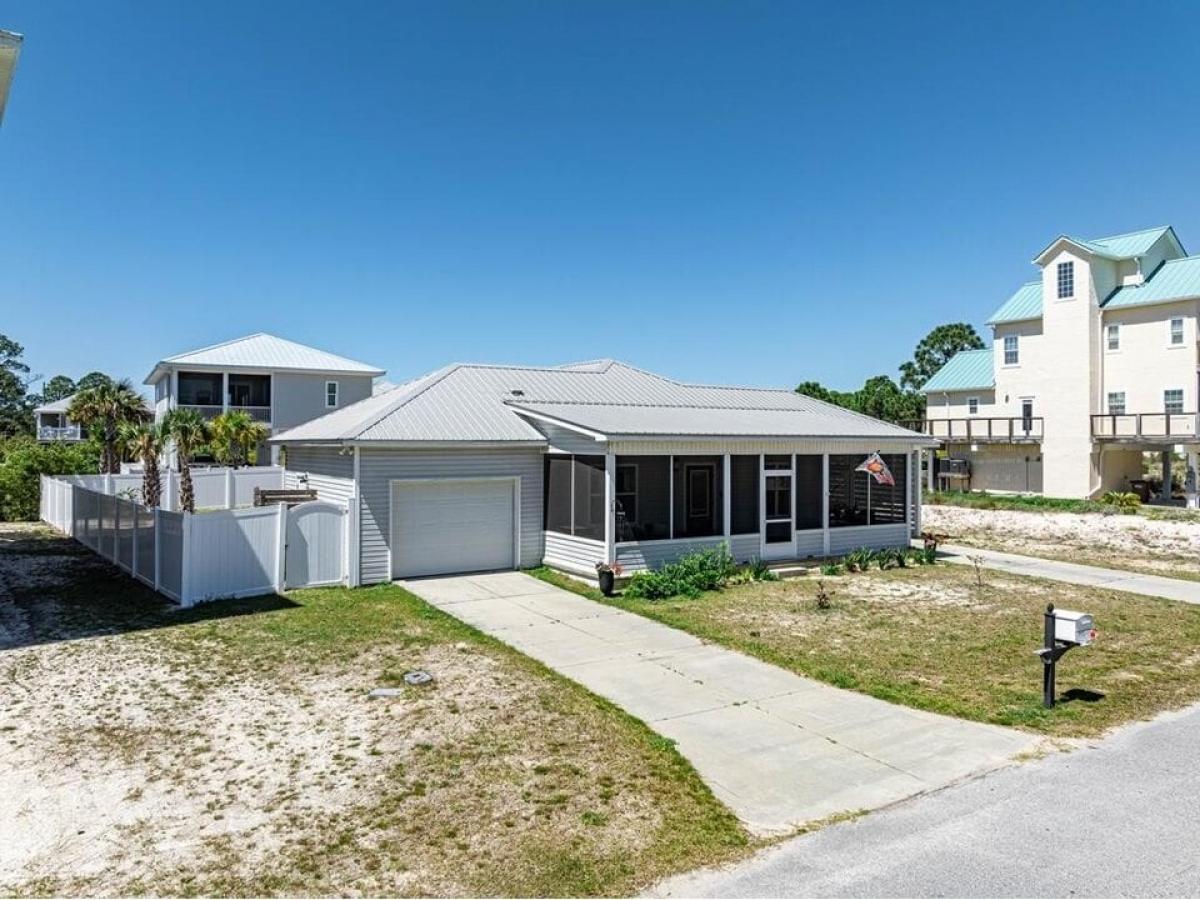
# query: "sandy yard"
1135,543
233,750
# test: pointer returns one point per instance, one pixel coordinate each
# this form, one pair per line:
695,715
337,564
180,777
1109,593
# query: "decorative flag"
874,466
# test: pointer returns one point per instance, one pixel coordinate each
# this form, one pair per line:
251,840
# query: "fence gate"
316,535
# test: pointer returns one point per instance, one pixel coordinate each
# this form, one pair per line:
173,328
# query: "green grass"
502,778
933,639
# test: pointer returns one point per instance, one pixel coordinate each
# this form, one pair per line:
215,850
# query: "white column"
914,489
762,503
727,500
932,469
281,545
229,488
610,507
224,392
825,502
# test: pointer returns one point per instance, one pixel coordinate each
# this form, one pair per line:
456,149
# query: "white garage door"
441,527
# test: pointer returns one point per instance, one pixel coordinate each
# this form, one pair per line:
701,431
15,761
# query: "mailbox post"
1063,629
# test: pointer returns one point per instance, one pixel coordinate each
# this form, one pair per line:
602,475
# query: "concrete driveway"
777,749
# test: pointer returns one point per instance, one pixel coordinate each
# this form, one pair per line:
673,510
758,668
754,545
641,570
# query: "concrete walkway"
1073,573
777,749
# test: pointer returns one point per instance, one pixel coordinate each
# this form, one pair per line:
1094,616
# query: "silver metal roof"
502,403
263,351
56,406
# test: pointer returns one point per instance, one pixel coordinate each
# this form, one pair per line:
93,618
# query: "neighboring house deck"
1091,365
53,424
477,467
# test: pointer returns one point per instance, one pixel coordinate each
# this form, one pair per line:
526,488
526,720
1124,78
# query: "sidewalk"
1073,573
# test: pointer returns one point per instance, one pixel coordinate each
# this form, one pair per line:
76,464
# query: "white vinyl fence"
208,555
215,488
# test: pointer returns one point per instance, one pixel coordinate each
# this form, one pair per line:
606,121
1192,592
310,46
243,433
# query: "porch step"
789,570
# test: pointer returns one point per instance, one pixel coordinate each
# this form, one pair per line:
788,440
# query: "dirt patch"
161,751
1132,543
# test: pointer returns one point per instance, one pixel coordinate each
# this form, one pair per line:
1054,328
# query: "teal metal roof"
1026,303
967,370
1119,246
1176,279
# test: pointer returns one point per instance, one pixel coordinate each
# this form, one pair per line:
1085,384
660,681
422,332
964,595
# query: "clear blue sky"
736,192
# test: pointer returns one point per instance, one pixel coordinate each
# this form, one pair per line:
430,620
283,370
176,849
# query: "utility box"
1073,627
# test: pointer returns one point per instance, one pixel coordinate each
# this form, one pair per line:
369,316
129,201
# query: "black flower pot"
607,582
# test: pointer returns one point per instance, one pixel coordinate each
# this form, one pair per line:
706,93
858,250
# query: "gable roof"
967,370
499,404
1118,246
263,351
1026,303
1175,279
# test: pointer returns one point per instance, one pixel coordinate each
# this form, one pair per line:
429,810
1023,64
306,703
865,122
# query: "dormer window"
1066,280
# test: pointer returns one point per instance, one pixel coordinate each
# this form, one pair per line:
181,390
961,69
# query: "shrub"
1123,501
859,560
891,558
831,569
703,570
755,570
22,460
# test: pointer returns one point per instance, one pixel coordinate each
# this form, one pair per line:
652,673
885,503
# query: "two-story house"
279,382
1092,364
54,425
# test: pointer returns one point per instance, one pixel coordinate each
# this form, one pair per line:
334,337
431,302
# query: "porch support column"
727,502
1166,475
610,507
914,491
825,503
671,496
931,473
224,392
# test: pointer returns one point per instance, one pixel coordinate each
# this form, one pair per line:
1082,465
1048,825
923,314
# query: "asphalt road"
1118,818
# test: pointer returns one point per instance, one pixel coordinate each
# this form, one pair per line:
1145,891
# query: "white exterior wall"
953,405
1031,376
1146,363
1071,387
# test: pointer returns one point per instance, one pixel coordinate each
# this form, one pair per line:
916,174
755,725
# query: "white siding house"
477,467
1091,364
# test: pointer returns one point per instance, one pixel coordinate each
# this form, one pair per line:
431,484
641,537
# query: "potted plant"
607,573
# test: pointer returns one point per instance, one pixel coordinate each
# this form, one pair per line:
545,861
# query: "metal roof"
1176,279
10,49
1026,303
495,404
263,351
967,370
58,406
1118,246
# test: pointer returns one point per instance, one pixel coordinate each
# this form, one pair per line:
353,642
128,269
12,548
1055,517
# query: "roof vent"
517,392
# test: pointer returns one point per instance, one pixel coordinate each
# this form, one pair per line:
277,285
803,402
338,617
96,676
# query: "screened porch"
773,506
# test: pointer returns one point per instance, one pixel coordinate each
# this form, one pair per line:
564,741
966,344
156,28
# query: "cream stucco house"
1092,364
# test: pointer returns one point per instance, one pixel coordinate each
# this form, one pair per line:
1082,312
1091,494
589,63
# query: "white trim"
553,420
727,497
439,479
825,500
610,505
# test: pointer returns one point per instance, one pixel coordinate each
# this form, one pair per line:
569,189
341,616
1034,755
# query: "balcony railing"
207,412
1000,429
1154,426
60,433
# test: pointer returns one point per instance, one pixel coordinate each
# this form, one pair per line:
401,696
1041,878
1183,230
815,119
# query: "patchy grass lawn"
931,638
1151,546
232,750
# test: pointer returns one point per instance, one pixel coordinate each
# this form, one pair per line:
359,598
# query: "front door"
777,535
700,499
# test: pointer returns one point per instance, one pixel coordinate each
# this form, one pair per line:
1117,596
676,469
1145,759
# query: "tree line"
903,402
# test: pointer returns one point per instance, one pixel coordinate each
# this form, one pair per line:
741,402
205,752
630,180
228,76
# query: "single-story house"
481,467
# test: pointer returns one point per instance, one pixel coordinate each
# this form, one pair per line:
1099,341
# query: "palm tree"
103,409
145,440
235,436
188,430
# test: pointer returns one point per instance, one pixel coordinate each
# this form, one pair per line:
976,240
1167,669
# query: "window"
1116,403
1176,332
1113,333
856,499
331,394
643,495
972,406
1066,280
1012,350
1173,401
